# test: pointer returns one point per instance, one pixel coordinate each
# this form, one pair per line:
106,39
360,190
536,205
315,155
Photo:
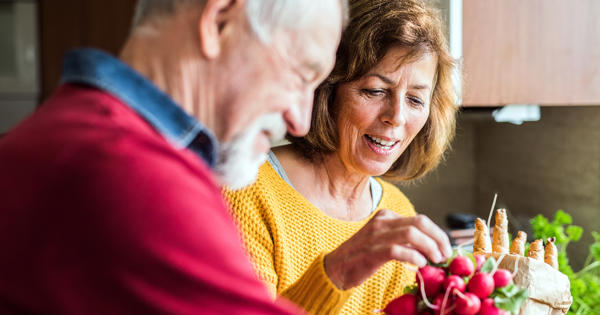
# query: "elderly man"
108,201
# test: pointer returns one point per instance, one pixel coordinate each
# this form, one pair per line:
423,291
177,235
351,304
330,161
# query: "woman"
321,230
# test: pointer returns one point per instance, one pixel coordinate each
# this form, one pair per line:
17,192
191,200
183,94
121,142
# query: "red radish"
502,278
461,266
467,304
488,308
405,304
439,299
426,312
481,284
479,260
433,278
454,281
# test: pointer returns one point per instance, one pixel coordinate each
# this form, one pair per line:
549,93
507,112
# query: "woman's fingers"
407,254
435,232
413,237
387,236
425,225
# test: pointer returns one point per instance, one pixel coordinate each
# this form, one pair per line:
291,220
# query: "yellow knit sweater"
287,238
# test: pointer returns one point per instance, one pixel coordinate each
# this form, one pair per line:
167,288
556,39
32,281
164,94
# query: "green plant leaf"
539,224
509,290
595,251
488,265
574,232
561,218
509,298
412,289
563,263
559,233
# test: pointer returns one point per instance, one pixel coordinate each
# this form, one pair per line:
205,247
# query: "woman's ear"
215,16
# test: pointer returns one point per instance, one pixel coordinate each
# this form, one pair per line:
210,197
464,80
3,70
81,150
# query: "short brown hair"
375,26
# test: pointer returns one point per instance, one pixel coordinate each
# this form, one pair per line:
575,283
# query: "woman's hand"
387,236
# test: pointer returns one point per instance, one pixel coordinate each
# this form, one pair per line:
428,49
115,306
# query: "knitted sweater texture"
287,238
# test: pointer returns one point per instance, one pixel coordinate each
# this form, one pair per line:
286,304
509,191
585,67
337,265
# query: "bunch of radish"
466,285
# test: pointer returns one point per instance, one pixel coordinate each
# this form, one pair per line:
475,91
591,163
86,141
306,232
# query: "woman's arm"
387,236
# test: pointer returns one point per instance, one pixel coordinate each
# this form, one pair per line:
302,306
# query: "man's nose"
298,116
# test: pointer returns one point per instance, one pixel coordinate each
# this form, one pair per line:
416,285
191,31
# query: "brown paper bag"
548,288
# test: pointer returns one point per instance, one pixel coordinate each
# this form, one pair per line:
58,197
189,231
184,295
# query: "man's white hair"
264,16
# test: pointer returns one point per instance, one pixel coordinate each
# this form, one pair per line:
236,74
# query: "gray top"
376,189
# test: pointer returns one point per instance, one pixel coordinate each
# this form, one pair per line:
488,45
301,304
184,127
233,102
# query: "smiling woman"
321,229
380,114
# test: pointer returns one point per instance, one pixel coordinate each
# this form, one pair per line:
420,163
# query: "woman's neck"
328,184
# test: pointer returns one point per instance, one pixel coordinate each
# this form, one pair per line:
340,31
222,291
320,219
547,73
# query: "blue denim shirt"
105,72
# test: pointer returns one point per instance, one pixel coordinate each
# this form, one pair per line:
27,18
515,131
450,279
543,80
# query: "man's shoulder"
83,134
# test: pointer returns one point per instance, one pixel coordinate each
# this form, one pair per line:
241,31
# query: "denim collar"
103,71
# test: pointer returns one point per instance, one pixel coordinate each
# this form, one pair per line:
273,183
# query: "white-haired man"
109,205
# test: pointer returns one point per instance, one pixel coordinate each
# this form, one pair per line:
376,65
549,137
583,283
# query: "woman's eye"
373,92
416,101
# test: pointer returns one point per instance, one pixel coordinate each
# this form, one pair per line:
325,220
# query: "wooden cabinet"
543,52
66,24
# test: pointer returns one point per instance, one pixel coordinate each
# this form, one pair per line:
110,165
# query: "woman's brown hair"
375,26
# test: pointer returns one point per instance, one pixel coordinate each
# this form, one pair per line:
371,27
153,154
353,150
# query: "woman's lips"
379,146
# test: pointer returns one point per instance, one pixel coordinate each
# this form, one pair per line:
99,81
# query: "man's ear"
215,16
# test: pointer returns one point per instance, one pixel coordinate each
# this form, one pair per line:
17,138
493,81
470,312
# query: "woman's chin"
376,168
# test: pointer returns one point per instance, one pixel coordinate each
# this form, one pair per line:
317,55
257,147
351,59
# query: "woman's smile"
379,145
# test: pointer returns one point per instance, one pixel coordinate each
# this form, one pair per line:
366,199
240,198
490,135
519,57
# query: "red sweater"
99,214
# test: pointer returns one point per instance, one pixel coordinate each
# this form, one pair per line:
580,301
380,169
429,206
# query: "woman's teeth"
380,142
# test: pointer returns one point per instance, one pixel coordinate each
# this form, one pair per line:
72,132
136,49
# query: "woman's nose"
395,115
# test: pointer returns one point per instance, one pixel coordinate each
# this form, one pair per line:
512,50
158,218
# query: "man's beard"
238,163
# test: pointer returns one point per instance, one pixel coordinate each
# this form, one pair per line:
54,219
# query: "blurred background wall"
536,168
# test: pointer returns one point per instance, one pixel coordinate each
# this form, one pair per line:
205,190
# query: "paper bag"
548,288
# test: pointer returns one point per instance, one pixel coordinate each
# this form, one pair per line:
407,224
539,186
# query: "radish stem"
423,295
497,264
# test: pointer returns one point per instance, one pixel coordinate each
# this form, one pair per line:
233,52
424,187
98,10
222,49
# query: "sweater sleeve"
313,291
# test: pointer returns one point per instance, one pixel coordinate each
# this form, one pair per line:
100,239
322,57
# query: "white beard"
237,161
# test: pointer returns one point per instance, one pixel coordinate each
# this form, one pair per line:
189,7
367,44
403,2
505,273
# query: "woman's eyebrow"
390,81
420,87
381,77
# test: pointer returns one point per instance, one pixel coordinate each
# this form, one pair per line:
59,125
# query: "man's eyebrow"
381,77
